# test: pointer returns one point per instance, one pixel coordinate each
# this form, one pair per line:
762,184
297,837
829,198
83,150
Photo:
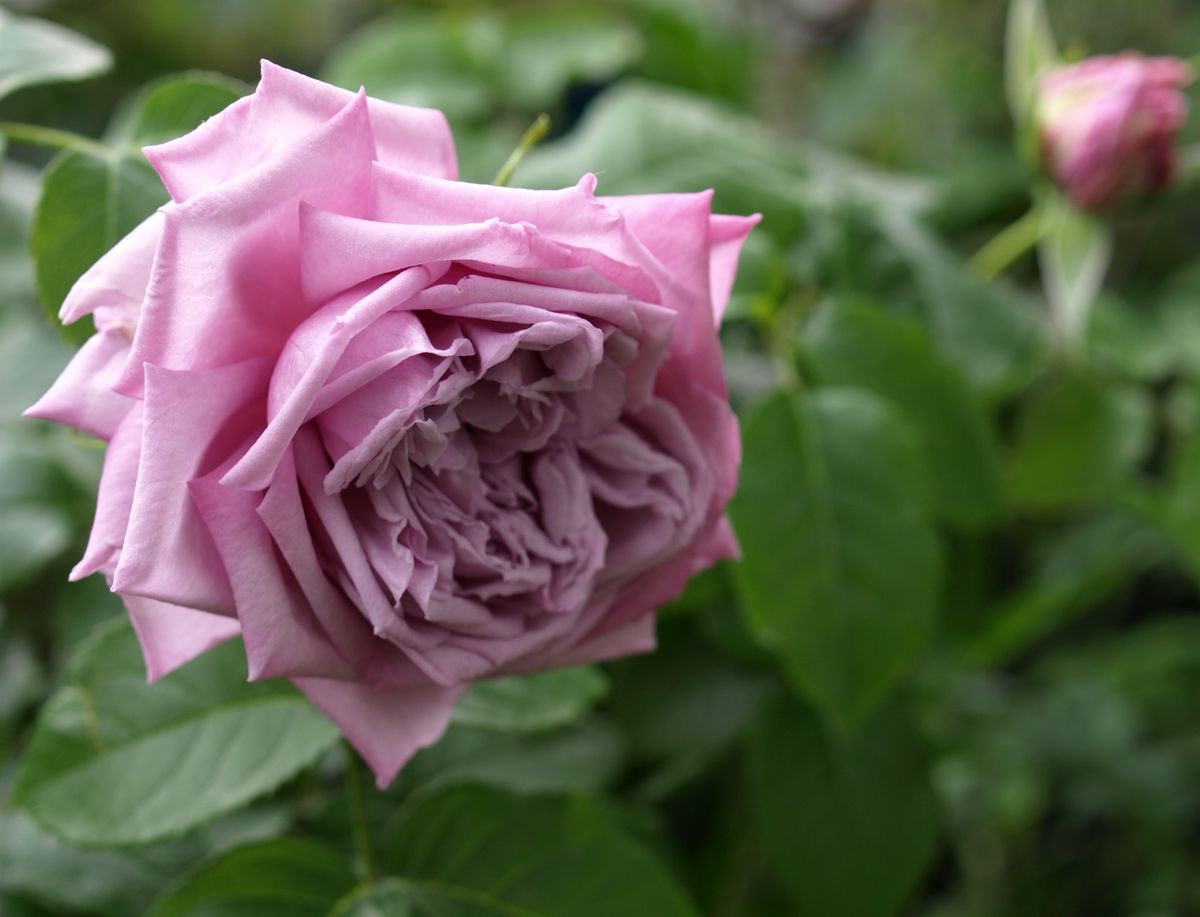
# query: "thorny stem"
532,137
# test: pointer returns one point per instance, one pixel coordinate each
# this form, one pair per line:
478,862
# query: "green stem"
532,137
52,137
1009,245
358,816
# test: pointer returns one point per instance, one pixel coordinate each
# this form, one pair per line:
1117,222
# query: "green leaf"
1077,440
473,851
1074,571
859,344
585,756
388,898
175,105
646,139
531,703
1074,253
1030,50
985,329
88,204
849,825
471,64
116,761
288,877
34,51
840,574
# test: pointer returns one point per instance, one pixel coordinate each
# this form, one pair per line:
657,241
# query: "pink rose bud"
1108,126
399,432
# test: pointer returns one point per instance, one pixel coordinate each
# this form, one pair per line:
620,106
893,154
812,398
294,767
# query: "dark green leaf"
848,824
1077,439
841,565
473,851
857,344
584,756
288,877
35,51
116,761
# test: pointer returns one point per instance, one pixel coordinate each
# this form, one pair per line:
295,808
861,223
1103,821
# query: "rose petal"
83,397
172,636
113,288
727,235
192,421
225,282
284,109
387,727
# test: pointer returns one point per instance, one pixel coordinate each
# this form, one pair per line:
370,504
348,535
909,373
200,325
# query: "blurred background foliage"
958,671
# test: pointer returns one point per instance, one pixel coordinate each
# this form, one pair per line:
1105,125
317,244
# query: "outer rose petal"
284,108
726,235
115,498
115,286
225,284
172,636
387,727
82,397
191,422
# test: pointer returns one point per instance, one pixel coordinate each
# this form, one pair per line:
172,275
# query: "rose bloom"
1108,126
399,432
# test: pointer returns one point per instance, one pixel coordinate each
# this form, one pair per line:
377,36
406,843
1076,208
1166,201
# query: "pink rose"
398,431
1108,126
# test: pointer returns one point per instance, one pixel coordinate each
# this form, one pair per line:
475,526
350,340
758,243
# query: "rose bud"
1108,126
397,431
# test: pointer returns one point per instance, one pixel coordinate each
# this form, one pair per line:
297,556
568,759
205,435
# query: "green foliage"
829,807
840,575
533,703
33,51
116,761
955,670
460,855
860,344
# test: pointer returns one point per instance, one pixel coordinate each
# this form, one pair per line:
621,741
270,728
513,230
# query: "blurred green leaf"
1030,50
173,106
840,573
1077,440
1074,253
288,877
34,51
849,825
855,343
531,703
116,761
88,204
470,64
119,883
1073,571
989,332
644,139
387,898
473,851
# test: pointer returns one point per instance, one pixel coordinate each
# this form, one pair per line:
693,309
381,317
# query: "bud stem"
1008,245
532,137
